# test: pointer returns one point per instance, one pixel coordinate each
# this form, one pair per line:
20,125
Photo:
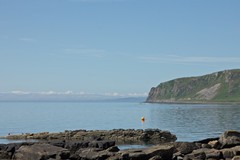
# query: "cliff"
218,87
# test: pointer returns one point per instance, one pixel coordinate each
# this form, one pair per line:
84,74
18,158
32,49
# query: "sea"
189,122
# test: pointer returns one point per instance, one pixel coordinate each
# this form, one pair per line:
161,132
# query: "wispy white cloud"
189,59
137,94
114,94
20,92
69,93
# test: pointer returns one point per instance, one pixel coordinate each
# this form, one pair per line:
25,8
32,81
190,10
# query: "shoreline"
122,136
225,147
193,103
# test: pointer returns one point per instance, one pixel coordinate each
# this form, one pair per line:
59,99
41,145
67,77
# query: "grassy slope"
185,89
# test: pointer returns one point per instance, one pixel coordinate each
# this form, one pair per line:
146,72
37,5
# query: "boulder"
229,139
40,152
164,150
73,146
186,147
93,154
231,152
204,153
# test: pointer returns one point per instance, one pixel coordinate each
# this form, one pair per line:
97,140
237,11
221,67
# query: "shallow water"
189,122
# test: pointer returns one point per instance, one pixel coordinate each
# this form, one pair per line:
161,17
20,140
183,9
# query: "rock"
185,147
5,155
195,156
229,139
113,149
231,152
58,143
156,158
165,151
207,140
40,152
93,154
74,146
153,136
102,144
236,158
204,153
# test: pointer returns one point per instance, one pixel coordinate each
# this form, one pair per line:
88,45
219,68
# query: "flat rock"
40,152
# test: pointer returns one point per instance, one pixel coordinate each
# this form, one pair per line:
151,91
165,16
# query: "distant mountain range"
218,87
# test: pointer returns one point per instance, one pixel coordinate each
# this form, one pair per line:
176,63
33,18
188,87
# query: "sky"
113,47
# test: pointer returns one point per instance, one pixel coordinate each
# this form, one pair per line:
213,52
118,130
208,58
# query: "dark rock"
5,155
207,140
156,158
39,152
138,155
58,143
102,144
74,146
113,149
186,147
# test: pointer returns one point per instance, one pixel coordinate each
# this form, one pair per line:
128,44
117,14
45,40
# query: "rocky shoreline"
125,136
225,147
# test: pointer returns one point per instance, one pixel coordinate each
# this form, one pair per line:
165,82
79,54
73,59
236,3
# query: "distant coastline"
221,87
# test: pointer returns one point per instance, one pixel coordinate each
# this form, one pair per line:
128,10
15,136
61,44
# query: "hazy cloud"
48,93
97,0
189,59
20,92
137,94
85,52
25,39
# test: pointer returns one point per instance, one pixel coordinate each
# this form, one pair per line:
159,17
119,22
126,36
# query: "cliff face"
219,87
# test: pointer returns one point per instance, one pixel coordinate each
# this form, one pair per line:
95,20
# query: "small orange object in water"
142,119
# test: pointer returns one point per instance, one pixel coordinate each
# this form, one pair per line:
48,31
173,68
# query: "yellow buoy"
142,119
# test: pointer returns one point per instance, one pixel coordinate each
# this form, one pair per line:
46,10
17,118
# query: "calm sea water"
188,122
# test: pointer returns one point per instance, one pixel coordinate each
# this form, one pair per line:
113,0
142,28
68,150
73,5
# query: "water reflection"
191,122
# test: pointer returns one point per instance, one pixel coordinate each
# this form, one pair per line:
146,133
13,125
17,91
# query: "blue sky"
113,46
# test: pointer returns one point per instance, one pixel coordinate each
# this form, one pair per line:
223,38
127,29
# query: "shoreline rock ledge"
121,136
225,147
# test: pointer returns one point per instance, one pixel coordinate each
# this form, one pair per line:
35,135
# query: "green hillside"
219,87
